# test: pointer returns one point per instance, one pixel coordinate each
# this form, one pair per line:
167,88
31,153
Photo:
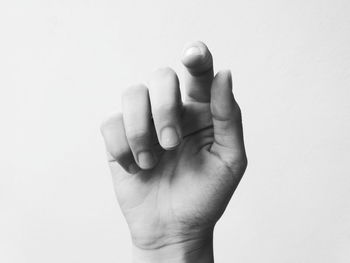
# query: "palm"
189,187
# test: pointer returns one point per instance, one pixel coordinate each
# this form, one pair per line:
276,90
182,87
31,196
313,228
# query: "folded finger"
166,106
117,146
138,125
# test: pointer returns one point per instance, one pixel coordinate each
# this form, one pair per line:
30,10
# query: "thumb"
228,142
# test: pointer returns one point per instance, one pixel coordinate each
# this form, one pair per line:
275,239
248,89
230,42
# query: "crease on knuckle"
166,72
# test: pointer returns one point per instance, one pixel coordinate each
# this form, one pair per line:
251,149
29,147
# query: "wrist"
189,251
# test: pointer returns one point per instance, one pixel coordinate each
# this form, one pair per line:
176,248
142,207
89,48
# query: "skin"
173,185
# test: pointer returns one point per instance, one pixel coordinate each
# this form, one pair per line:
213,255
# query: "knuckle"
112,119
134,90
166,71
238,165
167,74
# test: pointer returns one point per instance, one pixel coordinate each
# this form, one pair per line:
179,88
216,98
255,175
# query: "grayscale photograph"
175,131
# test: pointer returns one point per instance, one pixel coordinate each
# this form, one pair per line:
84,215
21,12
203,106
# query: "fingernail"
133,168
169,137
146,159
193,51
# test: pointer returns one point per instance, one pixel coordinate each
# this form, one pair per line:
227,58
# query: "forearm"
197,251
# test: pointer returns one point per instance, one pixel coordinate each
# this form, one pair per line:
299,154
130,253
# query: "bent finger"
166,107
138,125
116,143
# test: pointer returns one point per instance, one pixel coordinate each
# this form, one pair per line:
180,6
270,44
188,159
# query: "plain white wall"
63,64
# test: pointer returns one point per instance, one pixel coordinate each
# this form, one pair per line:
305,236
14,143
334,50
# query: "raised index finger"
199,71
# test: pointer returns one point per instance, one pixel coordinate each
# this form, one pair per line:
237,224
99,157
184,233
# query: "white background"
63,65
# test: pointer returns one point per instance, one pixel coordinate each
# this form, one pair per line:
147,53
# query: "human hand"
175,165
